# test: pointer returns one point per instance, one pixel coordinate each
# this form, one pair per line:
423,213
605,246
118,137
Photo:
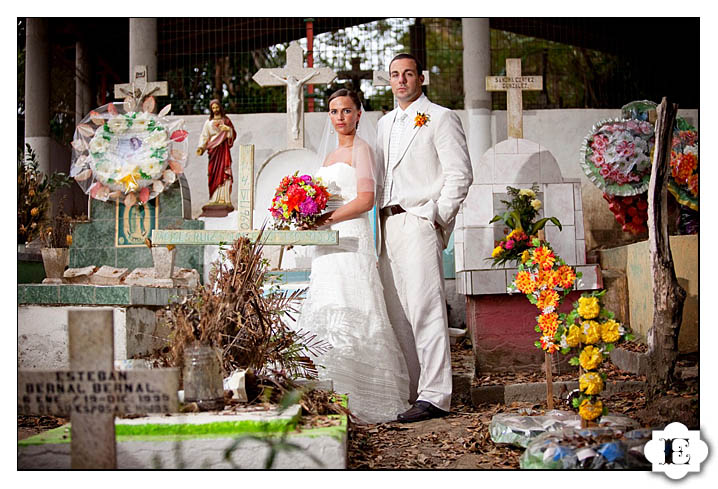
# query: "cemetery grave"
506,393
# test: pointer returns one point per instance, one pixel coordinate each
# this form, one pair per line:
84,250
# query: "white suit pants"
411,271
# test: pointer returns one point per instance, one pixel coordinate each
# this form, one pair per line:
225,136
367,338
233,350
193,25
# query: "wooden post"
668,295
549,381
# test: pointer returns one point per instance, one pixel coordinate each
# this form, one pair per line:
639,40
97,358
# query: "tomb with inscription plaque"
502,325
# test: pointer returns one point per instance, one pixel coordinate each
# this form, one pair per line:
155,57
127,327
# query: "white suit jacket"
432,173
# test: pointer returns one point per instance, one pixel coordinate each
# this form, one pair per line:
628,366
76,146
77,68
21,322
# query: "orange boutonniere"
421,119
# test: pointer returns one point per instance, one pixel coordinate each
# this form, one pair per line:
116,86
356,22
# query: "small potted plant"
56,237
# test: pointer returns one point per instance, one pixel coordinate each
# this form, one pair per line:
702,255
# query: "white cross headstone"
245,206
381,79
514,84
294,75
92,392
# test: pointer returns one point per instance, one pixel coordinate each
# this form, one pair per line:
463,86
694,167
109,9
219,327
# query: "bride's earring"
331,131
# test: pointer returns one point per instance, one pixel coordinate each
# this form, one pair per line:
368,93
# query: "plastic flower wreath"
521,212
593,330
545,279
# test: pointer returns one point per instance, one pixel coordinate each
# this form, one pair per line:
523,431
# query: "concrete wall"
634,261
561,131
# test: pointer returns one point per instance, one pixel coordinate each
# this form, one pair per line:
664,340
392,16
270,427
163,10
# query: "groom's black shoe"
421,411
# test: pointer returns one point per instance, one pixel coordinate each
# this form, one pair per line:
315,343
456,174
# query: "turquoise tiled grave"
93,242
92,295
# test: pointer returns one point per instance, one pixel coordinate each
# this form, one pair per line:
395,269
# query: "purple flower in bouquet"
308,207
306,178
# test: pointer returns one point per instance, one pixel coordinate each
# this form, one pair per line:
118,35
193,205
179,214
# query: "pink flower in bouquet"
599,142
598,159
308,207
509,244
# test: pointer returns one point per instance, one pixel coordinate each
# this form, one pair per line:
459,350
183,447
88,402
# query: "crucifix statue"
294,75
140,89
514,84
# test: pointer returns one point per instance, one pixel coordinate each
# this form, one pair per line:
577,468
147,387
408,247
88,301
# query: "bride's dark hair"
345,92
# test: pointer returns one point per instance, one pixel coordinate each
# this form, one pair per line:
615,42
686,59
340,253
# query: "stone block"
186,278
478,245
79,275
513,169
549,170
479,201
630,361
483,170
108,275
507,146
488,281
491,394
563,242
558,203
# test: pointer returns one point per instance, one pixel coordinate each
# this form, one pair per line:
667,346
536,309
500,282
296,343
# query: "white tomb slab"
518,163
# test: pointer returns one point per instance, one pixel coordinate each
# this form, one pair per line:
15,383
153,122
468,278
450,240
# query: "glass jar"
202,376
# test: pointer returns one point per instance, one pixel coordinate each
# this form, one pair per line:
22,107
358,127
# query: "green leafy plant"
34,189
520,215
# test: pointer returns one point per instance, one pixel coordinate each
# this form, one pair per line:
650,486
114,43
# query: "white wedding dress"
345,306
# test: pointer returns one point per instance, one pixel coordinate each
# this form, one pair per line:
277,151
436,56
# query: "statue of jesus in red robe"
218,136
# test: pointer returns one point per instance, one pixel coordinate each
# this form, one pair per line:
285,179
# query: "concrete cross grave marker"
294,75
356,74
139,87
92,392
381,79
514,84
245,206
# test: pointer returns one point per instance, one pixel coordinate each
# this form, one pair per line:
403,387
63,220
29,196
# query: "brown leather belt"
392,210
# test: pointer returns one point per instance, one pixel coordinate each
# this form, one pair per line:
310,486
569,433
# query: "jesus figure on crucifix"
294,98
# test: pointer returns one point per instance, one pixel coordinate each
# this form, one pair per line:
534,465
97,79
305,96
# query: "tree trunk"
668,295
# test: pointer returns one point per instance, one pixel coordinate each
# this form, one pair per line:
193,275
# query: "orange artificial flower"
421,119
525,283
547,298
544,257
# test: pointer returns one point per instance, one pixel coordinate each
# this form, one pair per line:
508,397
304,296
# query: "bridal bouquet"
298,200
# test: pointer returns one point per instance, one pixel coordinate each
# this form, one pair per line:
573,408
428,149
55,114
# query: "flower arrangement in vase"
520,216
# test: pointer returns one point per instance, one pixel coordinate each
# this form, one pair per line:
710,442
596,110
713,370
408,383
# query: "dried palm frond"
243,316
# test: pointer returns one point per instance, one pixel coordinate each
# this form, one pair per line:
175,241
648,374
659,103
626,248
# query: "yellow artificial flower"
590,383
567,276
547,298
536,204
591,332
525,283
610,331
544,257
525,256
573,338
527,192
34,211
497,251
548,323
590,358
588,307
590,410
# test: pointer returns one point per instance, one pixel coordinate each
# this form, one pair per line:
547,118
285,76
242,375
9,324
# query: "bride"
345,303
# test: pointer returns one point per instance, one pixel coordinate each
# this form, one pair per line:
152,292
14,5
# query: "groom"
427,174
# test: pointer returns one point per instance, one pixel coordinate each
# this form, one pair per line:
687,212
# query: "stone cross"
92,392
294,75
381,79
245,207
139,87
356,74
514,84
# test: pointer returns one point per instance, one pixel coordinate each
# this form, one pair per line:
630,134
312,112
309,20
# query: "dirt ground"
461,440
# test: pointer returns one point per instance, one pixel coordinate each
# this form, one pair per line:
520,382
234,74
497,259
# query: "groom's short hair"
419,67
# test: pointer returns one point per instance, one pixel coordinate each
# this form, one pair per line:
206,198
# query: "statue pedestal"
216,210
